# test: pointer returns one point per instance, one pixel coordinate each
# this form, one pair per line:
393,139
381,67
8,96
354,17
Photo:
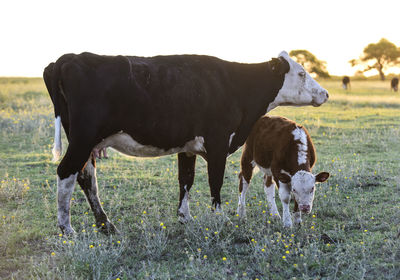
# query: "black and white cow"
394,84
346,83
186,104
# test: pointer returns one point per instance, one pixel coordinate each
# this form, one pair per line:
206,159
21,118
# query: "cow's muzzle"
306,209
321,98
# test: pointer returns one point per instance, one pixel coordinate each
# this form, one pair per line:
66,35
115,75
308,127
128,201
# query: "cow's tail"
57,147
51,76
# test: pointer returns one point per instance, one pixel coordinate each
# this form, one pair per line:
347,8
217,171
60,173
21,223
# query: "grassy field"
351,233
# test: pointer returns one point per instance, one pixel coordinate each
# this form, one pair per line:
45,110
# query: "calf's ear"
284,178
279,66
322,177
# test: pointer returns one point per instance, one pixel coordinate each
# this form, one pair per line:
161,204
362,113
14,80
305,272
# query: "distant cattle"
285,153
346,83
394,84
186,104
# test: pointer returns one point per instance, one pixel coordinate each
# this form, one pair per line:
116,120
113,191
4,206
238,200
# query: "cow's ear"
279,66
284,178
322,177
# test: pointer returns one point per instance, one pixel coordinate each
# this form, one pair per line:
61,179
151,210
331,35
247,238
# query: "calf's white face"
303,187
299,88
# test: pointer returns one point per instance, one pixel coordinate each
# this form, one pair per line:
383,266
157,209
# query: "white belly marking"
125,144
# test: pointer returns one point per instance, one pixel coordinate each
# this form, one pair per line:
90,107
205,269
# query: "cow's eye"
312,190
302,74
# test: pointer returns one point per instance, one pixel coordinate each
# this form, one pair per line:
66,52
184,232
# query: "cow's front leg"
284,195
88,182
186,171
269,189
216,160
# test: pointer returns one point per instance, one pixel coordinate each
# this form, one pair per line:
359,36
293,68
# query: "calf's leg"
244,182
243,187
269,189
186,171
88,181
246,172
297,213
284,195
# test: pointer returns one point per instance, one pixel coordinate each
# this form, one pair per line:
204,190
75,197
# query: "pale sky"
35,33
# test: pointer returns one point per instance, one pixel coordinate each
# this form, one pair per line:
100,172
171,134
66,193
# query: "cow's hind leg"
65,188
88,181
67,173
186,170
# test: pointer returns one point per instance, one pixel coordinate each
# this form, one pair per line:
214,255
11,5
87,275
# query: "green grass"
352,234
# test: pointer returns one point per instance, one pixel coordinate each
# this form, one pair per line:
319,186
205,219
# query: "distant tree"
310,62
379,56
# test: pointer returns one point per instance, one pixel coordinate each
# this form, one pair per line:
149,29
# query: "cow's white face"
303,187
299,88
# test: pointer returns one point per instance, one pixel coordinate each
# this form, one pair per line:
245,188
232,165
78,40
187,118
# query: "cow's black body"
162,101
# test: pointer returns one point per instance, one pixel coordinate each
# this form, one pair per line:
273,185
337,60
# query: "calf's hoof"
184,219
297,219
287,223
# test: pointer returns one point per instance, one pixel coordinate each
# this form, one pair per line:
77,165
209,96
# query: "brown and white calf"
283,151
